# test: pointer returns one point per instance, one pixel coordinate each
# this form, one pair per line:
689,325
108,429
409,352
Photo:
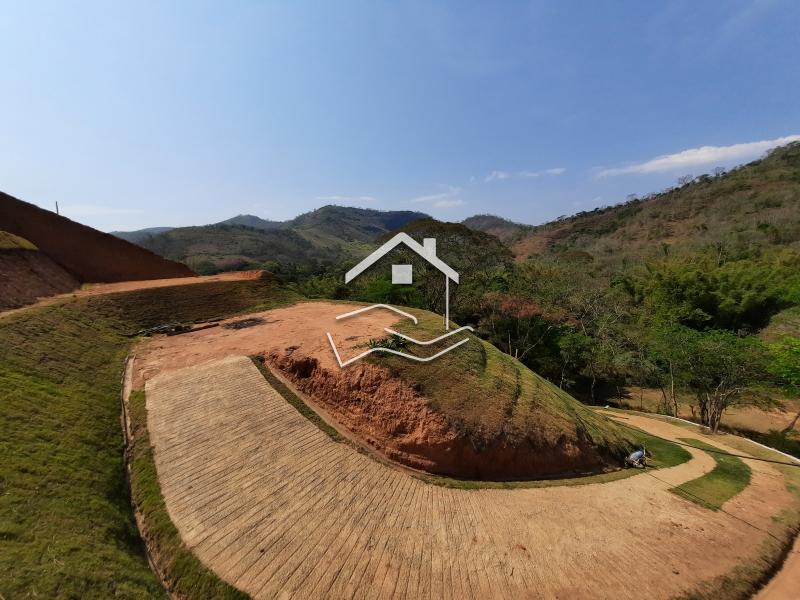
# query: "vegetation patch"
729,477
9,241
66,525
184,574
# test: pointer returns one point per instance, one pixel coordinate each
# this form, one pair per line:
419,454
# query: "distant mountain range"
753,206
327,235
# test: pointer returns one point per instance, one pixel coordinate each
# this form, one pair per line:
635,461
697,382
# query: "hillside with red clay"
43,254
27,275
91,256
473,413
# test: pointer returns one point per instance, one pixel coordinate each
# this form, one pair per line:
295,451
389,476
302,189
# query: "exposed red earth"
84,254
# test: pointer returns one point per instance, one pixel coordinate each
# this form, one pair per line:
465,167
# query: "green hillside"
750,208
325,236
140,234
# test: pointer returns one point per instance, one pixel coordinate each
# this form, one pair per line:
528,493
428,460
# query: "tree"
786,367
667,360
721,367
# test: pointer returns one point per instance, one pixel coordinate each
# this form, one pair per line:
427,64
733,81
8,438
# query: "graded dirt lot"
278,509
301,327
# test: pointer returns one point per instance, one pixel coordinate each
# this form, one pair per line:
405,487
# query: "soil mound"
27,275
389,414
89,255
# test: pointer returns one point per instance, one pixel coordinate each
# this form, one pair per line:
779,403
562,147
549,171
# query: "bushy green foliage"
786,363
701,293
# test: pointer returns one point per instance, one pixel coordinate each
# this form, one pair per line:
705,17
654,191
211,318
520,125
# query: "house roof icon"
426,250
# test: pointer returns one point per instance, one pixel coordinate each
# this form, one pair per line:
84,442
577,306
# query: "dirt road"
278,509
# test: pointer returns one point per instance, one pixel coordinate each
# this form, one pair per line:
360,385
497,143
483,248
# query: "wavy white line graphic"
386,306
429,342
391,351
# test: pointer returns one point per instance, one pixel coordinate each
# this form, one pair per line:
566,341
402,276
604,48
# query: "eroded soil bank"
385,411
394,418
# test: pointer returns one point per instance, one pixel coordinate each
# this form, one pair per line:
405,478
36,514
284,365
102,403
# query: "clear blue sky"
169,113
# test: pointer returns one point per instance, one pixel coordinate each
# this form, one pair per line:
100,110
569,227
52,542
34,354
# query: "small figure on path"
637,459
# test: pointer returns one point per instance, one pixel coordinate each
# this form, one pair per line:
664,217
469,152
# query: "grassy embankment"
66,527
729,477
9,241
664,454
486,394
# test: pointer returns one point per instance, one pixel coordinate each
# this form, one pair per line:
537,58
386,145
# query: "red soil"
26,275
89,255
370,404
393,418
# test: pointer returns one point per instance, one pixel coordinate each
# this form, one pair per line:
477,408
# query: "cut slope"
90,255
473,413
27,274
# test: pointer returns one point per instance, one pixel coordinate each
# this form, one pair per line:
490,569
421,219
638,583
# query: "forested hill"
325,236
752,207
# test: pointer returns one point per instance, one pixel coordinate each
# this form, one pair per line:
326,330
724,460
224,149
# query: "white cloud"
346,198
448,203
95,210
503,175
448,192
703,156
497,176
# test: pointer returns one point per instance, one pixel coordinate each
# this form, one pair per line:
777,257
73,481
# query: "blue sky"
172,113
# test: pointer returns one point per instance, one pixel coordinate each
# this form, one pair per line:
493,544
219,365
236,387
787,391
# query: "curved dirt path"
278,509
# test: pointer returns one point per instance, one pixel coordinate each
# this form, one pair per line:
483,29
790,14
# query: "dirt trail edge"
276,508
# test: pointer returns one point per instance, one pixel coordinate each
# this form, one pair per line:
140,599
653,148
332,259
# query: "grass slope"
487,395
729,477
9,241
66,528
